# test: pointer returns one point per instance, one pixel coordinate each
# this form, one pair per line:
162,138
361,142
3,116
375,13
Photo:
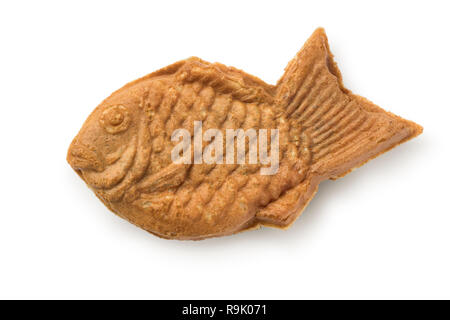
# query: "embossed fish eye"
115,119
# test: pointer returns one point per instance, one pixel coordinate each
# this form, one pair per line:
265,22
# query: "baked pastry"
306,129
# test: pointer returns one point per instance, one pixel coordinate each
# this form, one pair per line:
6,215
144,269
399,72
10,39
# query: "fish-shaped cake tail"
343,130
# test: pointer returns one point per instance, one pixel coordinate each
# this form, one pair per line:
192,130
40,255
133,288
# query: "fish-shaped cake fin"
344,130
169,177
226,80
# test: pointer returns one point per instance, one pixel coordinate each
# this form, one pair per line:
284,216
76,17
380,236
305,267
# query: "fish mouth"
81,157
111,175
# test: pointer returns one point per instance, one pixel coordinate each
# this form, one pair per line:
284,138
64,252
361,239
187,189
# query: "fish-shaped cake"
198,150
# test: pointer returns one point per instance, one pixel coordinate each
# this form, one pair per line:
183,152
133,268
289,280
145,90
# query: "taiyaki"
309,124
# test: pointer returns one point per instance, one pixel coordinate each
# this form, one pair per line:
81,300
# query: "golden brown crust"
123,151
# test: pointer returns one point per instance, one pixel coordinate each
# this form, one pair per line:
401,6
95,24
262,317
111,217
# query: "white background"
381,232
